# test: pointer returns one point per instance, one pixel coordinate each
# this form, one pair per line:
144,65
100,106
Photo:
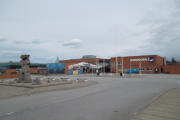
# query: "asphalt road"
111,99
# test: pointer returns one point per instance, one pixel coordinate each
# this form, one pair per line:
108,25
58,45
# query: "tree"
173,60
57,60
167,61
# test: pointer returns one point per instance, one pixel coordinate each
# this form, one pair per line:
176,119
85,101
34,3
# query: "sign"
150,59
138,59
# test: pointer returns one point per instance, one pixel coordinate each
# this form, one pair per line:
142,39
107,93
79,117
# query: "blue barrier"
80,72
56,67
70,72
129,71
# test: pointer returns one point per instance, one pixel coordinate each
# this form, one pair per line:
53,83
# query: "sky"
70,29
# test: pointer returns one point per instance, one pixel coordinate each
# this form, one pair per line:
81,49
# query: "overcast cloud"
3,39
27,42
74,43
46,29
164,33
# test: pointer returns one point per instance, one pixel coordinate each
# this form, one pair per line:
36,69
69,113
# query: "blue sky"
68,29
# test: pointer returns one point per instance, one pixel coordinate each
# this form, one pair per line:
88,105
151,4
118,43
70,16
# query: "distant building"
88,59
88,56
145,63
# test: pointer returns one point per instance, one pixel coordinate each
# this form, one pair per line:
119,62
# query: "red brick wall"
7,76
33,70
172,69
75,61
11,73
158,63
37,71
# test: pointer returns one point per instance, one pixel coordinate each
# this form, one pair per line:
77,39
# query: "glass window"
150,69
142,69
119,63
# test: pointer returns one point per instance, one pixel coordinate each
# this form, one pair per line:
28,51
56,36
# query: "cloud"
36,41
10,52
2,39
74,43
164,37
20,42
10,55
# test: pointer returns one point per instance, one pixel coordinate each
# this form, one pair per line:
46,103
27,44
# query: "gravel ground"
11,91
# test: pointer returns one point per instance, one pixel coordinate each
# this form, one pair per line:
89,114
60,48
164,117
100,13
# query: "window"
114,64
119,63
142,69
149,69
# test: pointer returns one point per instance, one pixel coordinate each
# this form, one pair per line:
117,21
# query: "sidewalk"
166,107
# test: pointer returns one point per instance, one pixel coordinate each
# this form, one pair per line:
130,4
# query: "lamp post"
122,64
140,67
104,66
130,65
116,64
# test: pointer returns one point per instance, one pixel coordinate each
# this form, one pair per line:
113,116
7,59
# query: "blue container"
80,72
70,72
129,71
56,68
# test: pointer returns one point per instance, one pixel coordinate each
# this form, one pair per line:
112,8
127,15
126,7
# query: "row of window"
142,69
148,69
114,63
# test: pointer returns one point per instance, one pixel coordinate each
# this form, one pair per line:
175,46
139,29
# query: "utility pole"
104,66
122,64
116,64
140,67
130,65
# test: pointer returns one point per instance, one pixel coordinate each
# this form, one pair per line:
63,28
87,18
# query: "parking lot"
113,98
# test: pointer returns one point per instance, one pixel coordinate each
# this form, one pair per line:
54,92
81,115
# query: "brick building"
145,63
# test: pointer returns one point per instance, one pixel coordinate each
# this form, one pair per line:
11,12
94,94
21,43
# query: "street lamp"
116,64
130,65
122,64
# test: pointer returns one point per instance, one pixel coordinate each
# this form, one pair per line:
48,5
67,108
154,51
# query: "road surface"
112,99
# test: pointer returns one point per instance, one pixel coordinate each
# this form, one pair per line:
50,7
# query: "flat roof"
80,59
137,56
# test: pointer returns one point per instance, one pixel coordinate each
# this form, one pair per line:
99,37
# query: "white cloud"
10,52
104,32
36,41
164,38
2,39
74,43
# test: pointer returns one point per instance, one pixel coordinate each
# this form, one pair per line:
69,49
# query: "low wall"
172,69
6,76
